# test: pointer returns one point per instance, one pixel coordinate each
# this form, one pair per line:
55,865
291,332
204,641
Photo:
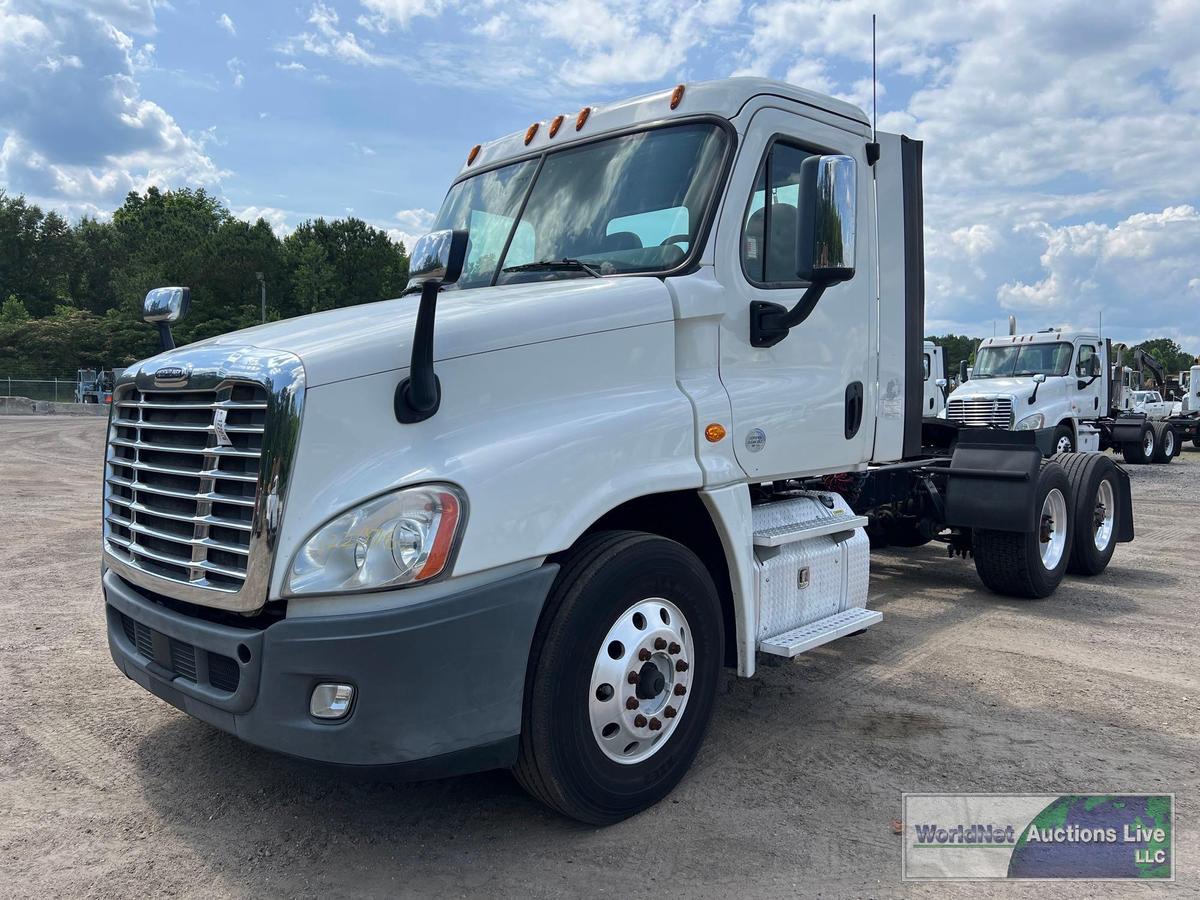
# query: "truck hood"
991,387
377,337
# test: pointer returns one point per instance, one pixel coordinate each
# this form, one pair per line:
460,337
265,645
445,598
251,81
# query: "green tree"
1172,357
13,312
956,347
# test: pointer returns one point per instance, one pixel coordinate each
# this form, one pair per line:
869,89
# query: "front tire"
1030,565
1097,510
1064,439
632,628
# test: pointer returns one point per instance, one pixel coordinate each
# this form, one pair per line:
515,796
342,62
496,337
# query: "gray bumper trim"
438,679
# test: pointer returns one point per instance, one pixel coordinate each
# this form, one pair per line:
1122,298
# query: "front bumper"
438,685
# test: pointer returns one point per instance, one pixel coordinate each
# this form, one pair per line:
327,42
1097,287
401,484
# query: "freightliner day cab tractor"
1072,392
657,388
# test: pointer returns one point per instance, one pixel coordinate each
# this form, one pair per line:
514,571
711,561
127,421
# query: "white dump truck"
656,389
1072,391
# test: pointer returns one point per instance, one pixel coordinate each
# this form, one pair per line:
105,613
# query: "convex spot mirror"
828,199
166,304
437,257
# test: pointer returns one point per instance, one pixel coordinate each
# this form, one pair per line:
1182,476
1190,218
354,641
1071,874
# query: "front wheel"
1064,439
622,677
1030,564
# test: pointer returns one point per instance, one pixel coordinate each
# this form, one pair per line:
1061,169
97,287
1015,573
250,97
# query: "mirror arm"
770,322
1033,396
420,394
165,340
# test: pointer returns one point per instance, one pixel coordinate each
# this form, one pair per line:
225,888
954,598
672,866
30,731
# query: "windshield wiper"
555,265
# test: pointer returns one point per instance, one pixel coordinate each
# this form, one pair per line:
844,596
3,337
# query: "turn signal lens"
555,125
530,132
714,432
582,117
676,96
474,153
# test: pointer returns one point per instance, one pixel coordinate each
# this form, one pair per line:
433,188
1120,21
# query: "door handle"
854,408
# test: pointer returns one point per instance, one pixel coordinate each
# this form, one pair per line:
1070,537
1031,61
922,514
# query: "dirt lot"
107,791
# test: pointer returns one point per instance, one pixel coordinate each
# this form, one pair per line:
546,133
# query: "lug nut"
670,712
673,648
681,665
633,678
655,724
680,690
660,643
632,703
639,721
643,654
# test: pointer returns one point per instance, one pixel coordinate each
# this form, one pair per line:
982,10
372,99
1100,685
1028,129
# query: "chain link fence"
60,389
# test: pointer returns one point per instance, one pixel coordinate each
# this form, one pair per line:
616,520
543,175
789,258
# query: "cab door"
805,405
1087,393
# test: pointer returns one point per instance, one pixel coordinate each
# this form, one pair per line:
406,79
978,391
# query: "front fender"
543,438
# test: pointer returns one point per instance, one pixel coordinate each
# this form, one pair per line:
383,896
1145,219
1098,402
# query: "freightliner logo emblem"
170,375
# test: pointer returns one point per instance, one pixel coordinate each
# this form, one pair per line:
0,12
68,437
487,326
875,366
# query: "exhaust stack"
1012,325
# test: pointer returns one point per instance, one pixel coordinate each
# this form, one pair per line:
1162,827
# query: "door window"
771,227
1083,366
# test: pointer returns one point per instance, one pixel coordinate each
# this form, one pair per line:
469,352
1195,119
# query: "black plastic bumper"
438,685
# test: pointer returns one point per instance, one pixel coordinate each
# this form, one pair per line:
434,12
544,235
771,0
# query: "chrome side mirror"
941,382
164,306
828,199
1039,378
438,257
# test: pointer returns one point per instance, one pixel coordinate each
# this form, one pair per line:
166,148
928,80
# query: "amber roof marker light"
676,96
555,125
474,153
582,117
530,132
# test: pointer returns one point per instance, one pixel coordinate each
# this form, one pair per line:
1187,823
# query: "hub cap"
1064,444
1053,533
1105,515
1168,444
640,680
1148,443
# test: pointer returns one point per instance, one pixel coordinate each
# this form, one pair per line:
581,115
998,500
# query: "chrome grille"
182,481
983,412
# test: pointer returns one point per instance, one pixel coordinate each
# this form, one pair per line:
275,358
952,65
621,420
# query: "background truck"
93,386
1073,392
934,364
656,390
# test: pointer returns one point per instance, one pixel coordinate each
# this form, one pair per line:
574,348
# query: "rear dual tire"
1166,443
1031,565
1144,450
1097,510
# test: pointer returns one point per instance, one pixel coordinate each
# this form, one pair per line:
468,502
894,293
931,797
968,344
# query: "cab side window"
772,223
1083,366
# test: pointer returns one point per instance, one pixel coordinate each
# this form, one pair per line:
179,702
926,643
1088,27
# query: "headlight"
400,538
1031,423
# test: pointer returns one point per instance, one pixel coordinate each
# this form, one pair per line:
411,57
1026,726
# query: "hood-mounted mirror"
163,307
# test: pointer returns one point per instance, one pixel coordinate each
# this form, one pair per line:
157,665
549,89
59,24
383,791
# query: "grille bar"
181,491
996,412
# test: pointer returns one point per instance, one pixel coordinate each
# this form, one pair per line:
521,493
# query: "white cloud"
361,149
78,134
225,22
276,218
327,40
383,14
237,70
410,225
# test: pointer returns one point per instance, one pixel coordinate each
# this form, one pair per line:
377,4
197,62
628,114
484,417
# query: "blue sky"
1060,134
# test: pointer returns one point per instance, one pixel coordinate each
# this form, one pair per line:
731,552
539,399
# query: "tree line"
70,295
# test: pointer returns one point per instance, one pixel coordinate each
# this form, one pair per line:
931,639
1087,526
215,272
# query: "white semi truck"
657,388
1072,391
934,365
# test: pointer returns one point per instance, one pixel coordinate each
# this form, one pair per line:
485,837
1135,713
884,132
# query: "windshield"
633,203
1022,359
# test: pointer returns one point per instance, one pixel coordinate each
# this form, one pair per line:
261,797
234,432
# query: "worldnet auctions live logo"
1082,836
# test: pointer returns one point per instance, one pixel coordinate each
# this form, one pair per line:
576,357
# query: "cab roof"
724,98
1056,336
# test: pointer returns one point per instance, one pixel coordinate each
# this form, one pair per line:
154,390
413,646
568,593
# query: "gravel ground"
107,791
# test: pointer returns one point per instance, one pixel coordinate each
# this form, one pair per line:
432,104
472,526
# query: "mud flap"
1125,519
992,480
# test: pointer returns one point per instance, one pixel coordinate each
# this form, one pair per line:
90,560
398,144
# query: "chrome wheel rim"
1148,443
1064,444
640,681
1168,444
1053,533
1105,515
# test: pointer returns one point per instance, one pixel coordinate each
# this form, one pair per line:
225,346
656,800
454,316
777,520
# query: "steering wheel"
677,238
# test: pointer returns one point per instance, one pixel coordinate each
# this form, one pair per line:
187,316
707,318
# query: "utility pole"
262,284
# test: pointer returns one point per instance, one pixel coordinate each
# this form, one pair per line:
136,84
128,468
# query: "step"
802,531
806,637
